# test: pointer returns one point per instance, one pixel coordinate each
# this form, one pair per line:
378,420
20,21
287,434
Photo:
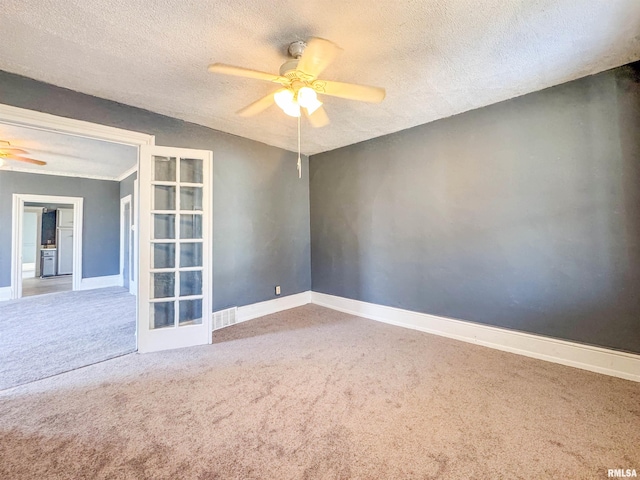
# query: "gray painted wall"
101,221
260,207
524,215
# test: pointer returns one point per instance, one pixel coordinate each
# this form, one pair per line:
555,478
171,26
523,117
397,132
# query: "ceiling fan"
298,78
7,152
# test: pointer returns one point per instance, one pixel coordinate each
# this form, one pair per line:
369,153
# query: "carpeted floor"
315,394
49,334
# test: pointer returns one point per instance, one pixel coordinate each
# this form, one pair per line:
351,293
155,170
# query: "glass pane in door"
190,254
163,284
190,312
163,255
164,226
164,197
190,283
164,169
191,170
190,226
191,198
162,315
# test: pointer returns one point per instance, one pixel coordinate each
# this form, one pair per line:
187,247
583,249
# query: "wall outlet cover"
278,290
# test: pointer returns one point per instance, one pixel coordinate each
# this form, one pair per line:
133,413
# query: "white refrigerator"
64,240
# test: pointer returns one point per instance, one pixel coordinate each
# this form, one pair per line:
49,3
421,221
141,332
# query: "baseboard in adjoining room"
28,270
586,357
5,293
100,282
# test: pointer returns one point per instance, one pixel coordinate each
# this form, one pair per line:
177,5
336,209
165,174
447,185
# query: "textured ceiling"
68,154
436,58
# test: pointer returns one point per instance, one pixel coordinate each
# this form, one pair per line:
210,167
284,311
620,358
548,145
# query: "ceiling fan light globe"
307,97
292,110
284,99
314,106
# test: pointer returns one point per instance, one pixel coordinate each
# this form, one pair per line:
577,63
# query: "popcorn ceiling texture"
436,58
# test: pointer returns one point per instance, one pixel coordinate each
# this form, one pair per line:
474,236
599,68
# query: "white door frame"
53,123
136,245
131,260
38,212
19,199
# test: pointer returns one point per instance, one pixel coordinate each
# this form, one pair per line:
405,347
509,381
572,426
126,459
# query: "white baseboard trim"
5,293
100,282
586,357
28,270
255,310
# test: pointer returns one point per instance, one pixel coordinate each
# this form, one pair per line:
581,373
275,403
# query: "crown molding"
59,174
125,174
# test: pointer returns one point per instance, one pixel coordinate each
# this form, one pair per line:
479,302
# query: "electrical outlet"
277,289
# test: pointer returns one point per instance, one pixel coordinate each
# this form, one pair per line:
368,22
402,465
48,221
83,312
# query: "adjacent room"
69,211
47,248
320,240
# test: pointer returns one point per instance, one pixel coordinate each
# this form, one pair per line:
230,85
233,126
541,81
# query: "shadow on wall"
524,215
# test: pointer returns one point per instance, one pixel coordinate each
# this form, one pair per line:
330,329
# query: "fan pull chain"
299,160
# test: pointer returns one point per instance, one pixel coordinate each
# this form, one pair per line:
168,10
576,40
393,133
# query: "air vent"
224,318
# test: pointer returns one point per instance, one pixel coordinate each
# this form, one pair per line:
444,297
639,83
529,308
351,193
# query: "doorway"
47,248
54,250
96,318
174,298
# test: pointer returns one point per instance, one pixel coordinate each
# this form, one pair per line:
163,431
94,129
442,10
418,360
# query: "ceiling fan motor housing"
295,50
288,68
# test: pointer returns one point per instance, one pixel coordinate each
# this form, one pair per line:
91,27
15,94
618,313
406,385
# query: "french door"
174,279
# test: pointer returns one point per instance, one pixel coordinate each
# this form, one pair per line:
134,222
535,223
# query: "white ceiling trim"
125,174
64,174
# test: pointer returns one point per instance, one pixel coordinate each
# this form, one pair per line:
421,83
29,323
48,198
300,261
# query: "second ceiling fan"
11,153
299,82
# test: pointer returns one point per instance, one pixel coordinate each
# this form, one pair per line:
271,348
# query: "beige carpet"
46,335
312,393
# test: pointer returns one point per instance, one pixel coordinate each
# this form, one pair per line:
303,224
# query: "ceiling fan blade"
317,56
24,159
318,118
247,73
259,105
363,93
12,150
